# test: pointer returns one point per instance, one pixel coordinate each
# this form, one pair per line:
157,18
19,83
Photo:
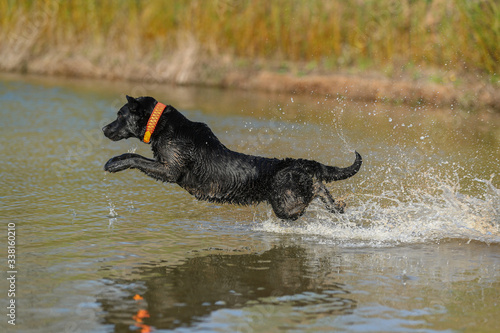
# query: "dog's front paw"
117,163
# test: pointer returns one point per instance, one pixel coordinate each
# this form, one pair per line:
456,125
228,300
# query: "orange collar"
153,120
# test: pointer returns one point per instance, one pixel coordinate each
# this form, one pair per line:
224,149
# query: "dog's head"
131,120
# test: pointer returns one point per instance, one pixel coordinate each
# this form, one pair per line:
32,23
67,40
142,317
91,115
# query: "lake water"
418,249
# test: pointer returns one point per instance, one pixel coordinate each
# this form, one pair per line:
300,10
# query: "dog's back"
219,174
215,173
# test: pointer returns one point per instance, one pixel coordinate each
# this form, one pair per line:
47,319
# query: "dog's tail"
330,173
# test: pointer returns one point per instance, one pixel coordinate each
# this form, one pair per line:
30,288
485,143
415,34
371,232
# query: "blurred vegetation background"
442,41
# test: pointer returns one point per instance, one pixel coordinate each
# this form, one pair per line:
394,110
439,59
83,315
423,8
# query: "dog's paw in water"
340,206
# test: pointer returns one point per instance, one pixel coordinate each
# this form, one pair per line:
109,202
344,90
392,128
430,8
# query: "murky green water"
418,249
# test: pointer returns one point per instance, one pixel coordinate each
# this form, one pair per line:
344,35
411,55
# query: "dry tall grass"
464,33
132,39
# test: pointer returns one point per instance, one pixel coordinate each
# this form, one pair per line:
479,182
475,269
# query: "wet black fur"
189,154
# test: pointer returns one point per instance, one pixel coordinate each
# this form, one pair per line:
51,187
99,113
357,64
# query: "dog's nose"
105,130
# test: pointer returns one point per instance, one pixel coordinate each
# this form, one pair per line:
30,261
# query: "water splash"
112,211
435,209
112,215
132,149
340,132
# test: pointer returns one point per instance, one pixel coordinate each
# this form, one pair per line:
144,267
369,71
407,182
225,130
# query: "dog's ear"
133,104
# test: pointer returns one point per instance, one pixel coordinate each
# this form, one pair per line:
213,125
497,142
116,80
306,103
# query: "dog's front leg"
150,167
123,162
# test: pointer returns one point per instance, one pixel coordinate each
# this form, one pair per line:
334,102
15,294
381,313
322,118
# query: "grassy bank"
444,42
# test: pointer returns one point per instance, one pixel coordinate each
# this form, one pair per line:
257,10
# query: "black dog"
189,154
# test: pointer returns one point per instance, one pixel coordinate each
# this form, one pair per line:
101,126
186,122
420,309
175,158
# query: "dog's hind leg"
291,193
321,192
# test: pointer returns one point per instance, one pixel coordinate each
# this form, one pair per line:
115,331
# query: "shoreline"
475,96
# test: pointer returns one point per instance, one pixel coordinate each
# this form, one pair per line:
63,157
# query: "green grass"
462,35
